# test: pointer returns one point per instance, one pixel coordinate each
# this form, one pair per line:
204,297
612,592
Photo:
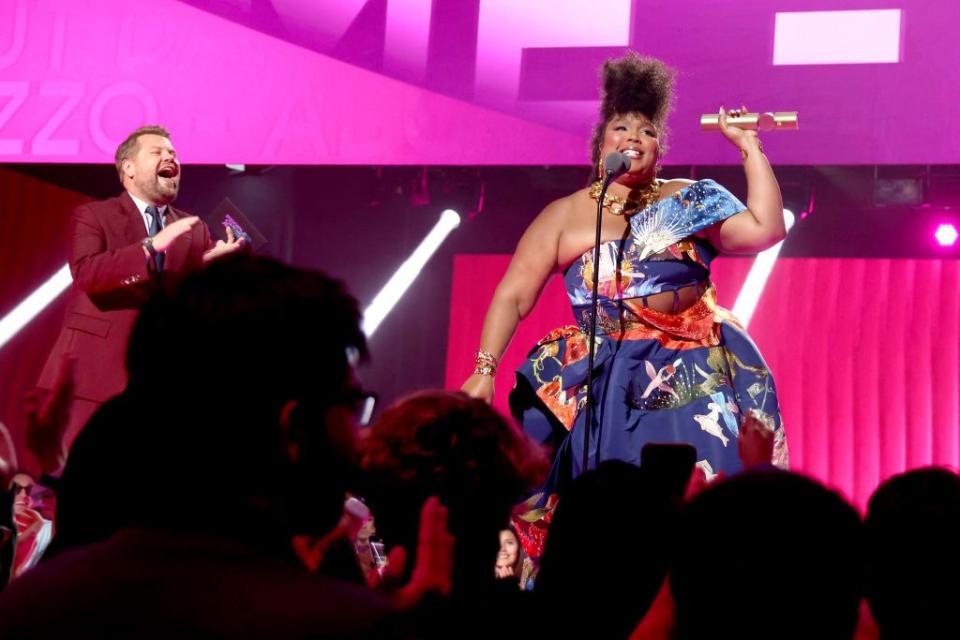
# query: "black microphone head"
615,164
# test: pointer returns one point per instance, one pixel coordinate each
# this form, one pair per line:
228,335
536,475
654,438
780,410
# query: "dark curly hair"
446,444
633,84
440,442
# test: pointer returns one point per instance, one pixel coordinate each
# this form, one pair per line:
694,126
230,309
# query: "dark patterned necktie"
155,228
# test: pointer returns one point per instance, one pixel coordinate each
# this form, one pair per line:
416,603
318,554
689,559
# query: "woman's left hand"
744,139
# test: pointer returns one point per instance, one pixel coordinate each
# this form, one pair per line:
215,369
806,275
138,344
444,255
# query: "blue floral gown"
688,377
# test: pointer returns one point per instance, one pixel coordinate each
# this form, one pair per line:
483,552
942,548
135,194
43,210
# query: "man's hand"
165,238
47,419
232,245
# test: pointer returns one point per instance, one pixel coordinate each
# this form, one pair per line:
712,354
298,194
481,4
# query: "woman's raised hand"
744,139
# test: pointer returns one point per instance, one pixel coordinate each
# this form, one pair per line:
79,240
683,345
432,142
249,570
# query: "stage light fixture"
898,191
757,278
946,235
33,304
401,280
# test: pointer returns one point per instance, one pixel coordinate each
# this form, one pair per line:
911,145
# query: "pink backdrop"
362,81
75,78
866,355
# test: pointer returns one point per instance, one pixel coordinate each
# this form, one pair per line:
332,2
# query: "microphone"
776,121
615,165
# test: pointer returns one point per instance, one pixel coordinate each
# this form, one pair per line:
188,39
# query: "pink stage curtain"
33,239
866,355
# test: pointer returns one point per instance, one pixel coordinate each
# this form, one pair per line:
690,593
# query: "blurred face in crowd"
23,485
509,549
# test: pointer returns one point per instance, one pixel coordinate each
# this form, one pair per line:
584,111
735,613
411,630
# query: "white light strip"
33,304
757,278
368,406
398,284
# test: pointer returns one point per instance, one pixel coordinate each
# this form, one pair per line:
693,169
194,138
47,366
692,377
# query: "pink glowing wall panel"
76,77
484,82
866,355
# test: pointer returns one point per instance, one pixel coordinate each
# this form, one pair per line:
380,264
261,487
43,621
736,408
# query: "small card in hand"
228,214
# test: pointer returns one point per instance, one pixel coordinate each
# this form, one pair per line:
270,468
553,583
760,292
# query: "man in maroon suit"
122,251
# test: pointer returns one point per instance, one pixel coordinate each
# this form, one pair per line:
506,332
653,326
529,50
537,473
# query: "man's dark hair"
257,325
912,528
767,554
129,146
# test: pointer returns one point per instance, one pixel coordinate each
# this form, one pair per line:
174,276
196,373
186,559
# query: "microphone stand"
608,178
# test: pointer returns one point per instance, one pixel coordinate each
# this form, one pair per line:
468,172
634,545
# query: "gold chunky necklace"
643,196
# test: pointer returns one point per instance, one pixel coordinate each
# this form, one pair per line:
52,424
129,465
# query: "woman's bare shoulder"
560,210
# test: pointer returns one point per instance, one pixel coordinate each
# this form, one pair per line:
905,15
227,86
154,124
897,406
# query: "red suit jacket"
112,279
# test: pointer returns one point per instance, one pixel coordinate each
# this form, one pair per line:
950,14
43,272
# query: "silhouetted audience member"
767,554
607,552
235,432
913,557
446,444
104,481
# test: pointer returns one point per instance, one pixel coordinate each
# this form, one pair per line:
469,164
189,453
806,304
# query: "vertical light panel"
33,304
401,280
756,280
837,37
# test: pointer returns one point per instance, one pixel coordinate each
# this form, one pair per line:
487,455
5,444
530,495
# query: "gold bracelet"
486,364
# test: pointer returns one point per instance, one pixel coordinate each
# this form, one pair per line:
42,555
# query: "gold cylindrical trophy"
775,121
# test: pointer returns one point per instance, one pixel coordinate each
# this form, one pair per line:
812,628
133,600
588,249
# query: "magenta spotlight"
946,235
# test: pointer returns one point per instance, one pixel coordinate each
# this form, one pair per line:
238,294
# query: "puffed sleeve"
682,214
